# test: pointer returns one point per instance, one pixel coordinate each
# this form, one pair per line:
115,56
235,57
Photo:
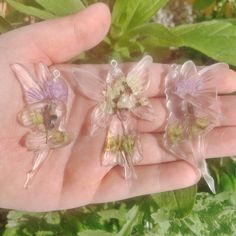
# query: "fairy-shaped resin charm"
45,112
194,110
120,101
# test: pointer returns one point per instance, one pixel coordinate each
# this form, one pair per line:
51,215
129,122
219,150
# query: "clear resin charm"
194,110
45,112
120,101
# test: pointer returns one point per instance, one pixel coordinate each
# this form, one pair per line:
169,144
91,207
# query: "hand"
73,176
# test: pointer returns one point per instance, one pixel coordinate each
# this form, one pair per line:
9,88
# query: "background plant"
170,31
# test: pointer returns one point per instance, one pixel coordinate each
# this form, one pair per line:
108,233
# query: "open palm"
73,175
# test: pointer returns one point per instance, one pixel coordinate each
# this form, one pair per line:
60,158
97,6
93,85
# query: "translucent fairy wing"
212,75
207,105
144,112
39,158
207,101
188,70
32,90
185,80
100,119
138,78
89,84
43,73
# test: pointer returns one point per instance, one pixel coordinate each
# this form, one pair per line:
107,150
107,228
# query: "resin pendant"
120,101
194,110
45,112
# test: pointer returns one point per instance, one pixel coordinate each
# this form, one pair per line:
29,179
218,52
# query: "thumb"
60,39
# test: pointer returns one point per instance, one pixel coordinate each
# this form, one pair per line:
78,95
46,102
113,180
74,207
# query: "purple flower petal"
56,89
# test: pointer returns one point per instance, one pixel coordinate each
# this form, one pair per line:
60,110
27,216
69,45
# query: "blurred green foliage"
211,215
134,32
215,9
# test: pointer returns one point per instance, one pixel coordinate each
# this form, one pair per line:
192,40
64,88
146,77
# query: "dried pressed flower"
122,145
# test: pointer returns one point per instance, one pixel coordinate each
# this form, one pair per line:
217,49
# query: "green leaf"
44,233
216,39
62,7
29,10
224,172
121,52
96,233
53,218
132,218
122,14
129,14
202,4
211,215
180,201
118,214
11,232
145,11
143,39
154,35
4,25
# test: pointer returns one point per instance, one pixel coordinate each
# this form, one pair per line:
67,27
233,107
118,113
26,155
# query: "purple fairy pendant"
45,112
194,110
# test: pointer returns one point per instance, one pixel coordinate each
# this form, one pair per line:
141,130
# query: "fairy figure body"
194,110
120,101
45,112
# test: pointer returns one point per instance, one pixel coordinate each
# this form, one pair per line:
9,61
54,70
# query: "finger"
221,142
228,107
61,39
161,115
154,150
151,179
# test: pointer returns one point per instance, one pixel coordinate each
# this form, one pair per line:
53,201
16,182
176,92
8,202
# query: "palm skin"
73,175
